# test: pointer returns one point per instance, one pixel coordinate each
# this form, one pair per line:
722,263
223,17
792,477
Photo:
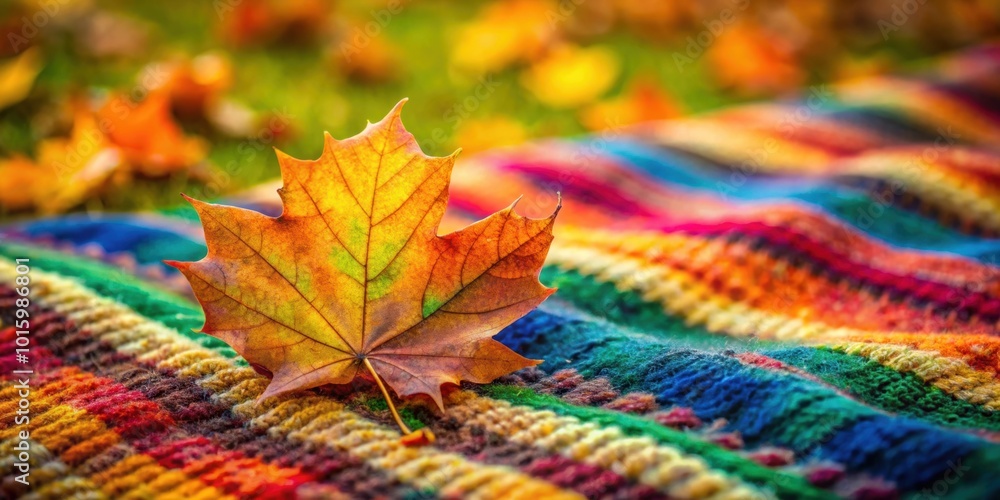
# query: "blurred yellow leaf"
503,34
483,134
82,164
17,76
644,101
571,76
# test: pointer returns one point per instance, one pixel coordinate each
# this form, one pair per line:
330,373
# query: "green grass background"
302,83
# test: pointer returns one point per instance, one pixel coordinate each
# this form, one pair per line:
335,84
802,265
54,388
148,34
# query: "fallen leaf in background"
152,142
571,76
482,134
196,91
193,86
644,101
106,146
753,62
74,168
268,22
505,33
366,59
17,76
352,277
83,165
19,186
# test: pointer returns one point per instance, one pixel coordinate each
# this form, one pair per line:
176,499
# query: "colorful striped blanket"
794,300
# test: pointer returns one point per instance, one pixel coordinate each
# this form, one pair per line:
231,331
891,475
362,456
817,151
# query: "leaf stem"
378,380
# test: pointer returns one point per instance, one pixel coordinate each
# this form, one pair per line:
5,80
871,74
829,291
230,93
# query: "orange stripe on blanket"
741,274
980,352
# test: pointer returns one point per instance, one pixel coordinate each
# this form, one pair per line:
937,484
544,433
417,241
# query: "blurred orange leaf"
152,142
644,101
107,147
754,62
67,172
20,185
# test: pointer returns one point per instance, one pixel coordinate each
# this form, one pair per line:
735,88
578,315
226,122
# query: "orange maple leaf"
74,169
353,275
152,142
105,149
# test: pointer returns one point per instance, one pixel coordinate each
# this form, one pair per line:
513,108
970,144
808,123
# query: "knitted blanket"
793,300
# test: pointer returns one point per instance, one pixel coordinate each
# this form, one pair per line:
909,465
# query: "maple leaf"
353,276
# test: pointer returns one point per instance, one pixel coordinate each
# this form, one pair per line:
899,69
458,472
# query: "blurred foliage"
281,72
